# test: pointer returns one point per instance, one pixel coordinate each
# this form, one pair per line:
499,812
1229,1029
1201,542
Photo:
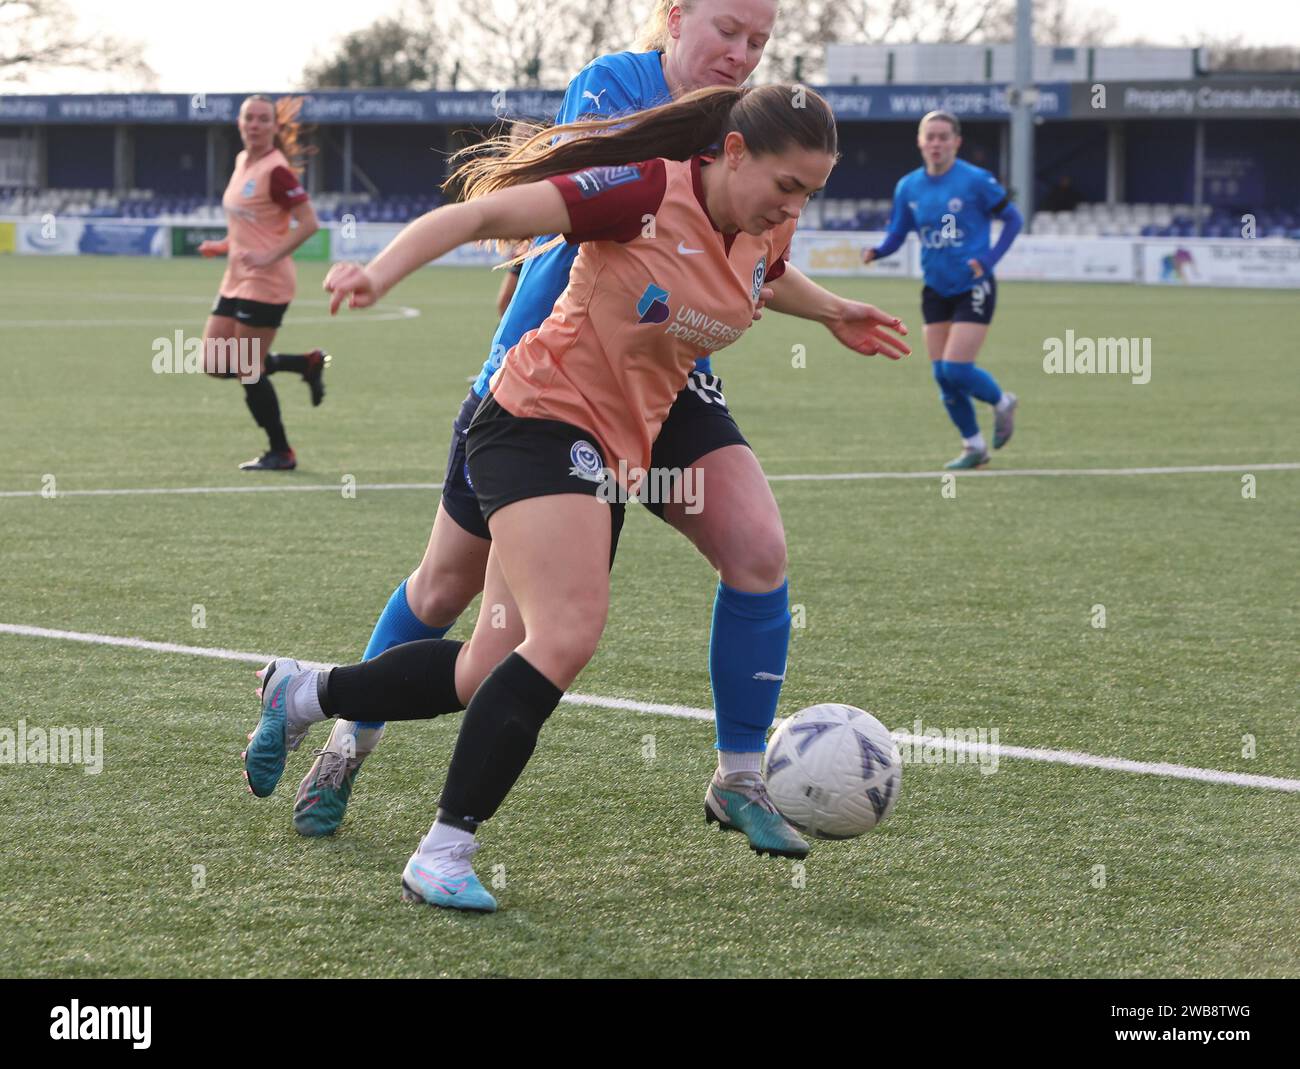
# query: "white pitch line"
1062,757
264,488
813,477
401,312
1192,469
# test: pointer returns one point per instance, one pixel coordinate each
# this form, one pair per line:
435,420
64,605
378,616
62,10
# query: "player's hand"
351,281
764,295
976,267
868,255
212,248
865,329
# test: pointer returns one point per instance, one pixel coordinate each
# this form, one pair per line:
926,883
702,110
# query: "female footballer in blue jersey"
949,203
686,46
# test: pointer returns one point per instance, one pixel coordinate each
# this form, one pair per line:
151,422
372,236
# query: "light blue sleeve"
899,224
989,192
1012,222
596,92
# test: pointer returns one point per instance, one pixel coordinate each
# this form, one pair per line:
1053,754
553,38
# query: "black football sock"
497,737
265,406
413,681
285,362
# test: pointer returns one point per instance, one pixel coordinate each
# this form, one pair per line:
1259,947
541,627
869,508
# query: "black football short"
457,494
250,313
698,423
513,458
974,306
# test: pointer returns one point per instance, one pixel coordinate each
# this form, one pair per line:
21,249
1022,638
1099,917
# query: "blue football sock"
973,380
747,651
397,624
956,401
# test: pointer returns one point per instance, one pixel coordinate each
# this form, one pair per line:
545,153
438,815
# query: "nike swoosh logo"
681,248
440,883
769,676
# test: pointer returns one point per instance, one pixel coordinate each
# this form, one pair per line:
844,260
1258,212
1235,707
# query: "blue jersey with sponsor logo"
950,214
609,85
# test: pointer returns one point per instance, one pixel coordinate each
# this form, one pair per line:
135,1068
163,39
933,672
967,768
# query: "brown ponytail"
770,118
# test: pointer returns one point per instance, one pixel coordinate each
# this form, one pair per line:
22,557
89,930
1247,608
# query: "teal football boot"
325,791
741,803
271,741
970,458
1004,422
444,878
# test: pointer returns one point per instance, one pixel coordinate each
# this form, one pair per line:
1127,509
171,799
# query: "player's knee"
947,389
960,374
757,562
438,596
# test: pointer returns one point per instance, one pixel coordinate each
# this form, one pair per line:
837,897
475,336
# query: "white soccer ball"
833,771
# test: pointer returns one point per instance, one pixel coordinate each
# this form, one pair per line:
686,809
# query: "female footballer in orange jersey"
264,193
579,399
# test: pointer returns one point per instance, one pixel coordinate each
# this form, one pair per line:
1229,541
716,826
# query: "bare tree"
412,49
38,36
798,47
544,43
1232,54
1055,23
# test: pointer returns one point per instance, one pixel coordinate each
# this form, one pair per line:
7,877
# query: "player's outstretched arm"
864,328
900,223
520,212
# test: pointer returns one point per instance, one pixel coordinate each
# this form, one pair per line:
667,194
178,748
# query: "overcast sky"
237,45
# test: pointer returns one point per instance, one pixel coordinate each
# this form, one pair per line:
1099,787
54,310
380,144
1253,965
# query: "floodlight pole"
1023,98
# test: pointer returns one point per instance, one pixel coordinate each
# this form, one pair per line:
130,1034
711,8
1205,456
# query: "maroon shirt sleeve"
609,203
286,188
777,269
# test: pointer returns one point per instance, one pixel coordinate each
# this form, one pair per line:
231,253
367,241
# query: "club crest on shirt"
598,179
586,462
760,273
954,204
653,305
249,186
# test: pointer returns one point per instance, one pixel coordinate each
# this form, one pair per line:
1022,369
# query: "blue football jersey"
950,214
609,85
